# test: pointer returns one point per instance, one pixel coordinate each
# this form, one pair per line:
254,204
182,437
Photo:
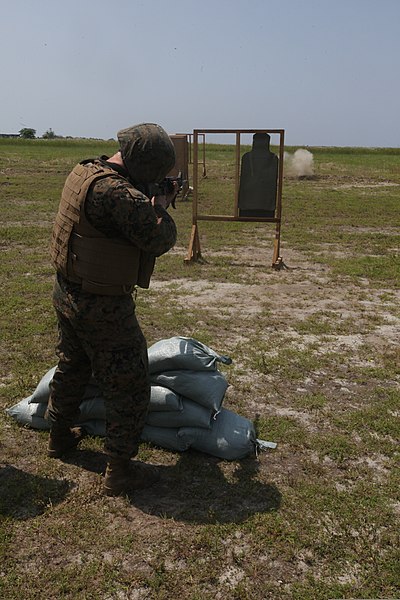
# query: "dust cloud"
299,164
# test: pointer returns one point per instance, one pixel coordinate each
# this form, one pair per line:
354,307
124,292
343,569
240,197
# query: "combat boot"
125,475
63,440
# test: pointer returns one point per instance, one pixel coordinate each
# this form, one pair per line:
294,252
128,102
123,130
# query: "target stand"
258,188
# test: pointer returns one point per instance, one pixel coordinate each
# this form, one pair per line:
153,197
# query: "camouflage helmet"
147,151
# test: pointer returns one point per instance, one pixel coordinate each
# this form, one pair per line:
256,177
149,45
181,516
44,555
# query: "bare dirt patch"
301,290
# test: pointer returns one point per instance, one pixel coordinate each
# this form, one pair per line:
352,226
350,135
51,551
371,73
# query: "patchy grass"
315,364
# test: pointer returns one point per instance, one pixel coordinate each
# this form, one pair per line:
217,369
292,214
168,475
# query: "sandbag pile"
185,410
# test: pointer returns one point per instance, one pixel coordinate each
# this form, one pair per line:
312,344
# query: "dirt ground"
302,289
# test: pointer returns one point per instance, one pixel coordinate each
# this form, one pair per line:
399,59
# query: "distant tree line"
30,134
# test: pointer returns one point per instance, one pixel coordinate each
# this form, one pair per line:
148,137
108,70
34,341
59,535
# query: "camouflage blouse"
117,209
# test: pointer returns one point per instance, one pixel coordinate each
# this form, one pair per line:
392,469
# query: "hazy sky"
326,71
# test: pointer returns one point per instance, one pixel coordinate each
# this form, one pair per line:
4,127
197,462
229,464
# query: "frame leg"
194,250
277,262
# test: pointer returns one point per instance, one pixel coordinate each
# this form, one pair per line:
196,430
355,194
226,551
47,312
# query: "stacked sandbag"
189,369
185,410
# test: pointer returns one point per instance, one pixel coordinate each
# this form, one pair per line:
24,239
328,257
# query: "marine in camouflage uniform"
105,239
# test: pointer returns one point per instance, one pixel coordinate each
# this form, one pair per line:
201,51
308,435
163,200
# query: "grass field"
315,363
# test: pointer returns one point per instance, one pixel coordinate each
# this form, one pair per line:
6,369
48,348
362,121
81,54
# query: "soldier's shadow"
24,495
199,489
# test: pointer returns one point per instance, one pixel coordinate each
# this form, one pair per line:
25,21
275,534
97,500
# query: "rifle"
166,186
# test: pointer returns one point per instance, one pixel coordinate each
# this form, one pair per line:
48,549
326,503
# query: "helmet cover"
147,151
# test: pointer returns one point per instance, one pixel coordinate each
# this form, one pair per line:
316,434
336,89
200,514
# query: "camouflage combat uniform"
100,334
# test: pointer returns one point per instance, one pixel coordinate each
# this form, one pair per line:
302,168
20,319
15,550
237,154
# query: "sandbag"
162,437
178,353
175,353
185,407
162,402
165,437
191,415
204,387
31,414
94,408
163,399
231,436
42,391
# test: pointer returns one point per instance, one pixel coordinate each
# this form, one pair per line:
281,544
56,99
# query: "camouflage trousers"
100,335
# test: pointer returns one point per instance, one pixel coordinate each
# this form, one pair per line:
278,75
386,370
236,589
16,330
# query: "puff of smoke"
299,164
